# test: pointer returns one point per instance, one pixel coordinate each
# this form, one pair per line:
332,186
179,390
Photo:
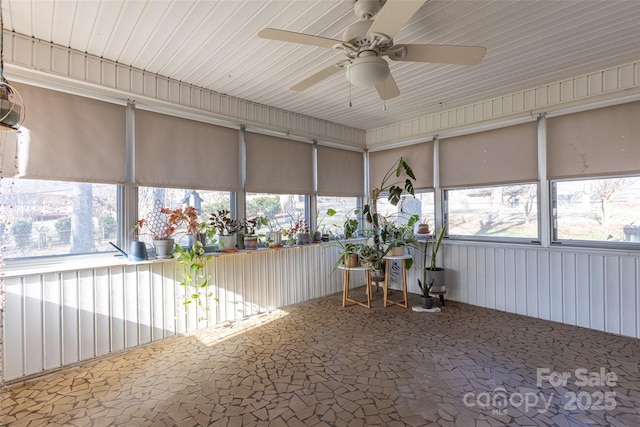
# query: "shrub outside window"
503,212
47,218
604,210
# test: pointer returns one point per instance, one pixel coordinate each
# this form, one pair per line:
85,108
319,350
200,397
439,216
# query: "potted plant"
435,275
348,254
250,228
423,226
227,229
317,234
195,277
273,238
396,181
297,233
165,224
397,236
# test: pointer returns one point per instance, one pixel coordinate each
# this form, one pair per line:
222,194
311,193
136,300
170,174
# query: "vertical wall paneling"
56,319
532,296
521,282
144,304
14,330
52,301
510,280
611,297
584,288
543,285
70,313
500,279
480,278
629,297
583,285
33,325
597,301
86,314
131,306
556,294
118,324
569,287
102,303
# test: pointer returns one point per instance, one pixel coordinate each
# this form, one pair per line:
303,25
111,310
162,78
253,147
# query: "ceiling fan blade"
316,78
442,54
393,15
388,89
290,36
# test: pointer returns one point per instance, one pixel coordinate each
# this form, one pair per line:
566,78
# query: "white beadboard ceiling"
214,44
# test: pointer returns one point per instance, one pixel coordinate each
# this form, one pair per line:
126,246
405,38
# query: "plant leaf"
408,185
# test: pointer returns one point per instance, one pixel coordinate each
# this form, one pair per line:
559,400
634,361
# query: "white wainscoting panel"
61,318
595,289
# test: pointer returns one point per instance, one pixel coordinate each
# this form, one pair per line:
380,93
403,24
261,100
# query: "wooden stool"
346,299
405,302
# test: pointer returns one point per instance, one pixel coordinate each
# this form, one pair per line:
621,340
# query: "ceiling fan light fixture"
367,71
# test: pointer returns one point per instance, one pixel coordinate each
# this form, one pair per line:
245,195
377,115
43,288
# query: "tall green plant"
436,247
195,277
396,181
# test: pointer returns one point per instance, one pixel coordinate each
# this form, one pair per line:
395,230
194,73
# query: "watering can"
137,251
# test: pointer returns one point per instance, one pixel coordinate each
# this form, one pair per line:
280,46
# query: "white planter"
228,243
164,248
438,276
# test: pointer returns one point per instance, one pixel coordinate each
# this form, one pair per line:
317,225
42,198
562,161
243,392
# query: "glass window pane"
502,211
422,205
344,207
45,218
604,210
281,210
205,202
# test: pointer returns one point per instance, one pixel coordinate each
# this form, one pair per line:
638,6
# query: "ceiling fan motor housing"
366,9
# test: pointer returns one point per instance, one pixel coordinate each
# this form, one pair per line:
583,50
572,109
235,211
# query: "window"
45,218
205,201
282,210
597,210
344,207
422,205
509,211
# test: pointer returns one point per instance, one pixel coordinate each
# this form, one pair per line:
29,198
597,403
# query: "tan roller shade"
599,142
419,157
498,156
278,165
181,153
71,138
340,172
9,151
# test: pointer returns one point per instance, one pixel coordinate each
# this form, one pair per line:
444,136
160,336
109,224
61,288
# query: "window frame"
446,215
579,243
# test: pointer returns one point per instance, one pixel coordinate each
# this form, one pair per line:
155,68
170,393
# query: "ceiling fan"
368,40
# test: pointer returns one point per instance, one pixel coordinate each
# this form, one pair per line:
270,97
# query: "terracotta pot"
423,228
351,260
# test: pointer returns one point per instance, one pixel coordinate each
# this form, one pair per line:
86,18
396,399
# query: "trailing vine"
195,278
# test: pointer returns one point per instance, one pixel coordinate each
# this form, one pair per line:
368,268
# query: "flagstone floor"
318,364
